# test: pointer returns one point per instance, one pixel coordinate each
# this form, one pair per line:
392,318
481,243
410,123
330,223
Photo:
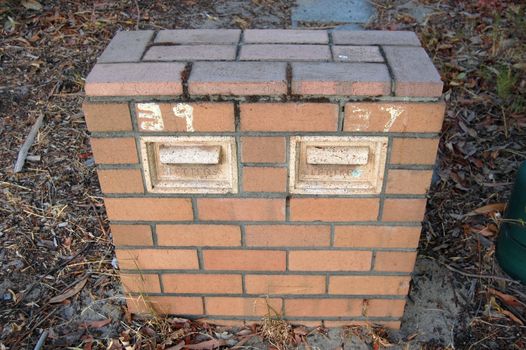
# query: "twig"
474,275
22,154
138,15
41,340
51,272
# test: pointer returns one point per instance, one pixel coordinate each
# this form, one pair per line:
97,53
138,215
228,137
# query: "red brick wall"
337,259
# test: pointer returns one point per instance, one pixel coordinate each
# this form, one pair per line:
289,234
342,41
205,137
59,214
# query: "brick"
139,235
119,150
375,37
264,179
327,260
149,209
341,324
140,283
202,283
244,260
120,180
284,284
198,36
357,54
358,236
310,324
206,117
395,325
395,261
334,209
223,323
413,72
289,117
263,150
191,53
376,285
408,181
144,259
403,209
241,209
384,308
348,323
198,235
107,116
282,36
323,307
287,235
348,79
135,79
165,305
126,46
227,306
134,235
238,78
284,52
393,117
414,151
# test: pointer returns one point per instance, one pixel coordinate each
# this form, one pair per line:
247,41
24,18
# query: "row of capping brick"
266,260
130,46
278,117
190,235
203,235
259,78
251,307
265,179
265,209
412,69
122,150
199,283
264,52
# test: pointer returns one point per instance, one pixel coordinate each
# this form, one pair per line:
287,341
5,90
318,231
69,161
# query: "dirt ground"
56,271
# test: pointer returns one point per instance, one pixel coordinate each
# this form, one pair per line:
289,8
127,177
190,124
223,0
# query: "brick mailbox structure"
280,170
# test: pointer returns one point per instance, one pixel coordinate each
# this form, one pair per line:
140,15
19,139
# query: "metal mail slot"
190,164
337,165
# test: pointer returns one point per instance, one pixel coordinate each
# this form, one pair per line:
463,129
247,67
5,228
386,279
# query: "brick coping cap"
263,62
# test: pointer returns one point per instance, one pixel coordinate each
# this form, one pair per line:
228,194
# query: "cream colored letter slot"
189,164
189,154
337,164
338,155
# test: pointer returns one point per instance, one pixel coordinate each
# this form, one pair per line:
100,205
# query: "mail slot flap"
189,154
338,155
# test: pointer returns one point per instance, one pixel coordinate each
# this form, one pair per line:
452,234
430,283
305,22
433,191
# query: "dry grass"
276,330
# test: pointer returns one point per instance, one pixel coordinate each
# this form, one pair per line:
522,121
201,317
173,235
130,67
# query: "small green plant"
506,80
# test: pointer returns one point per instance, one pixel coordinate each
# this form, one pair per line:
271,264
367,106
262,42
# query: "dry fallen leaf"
207,345
487,231
70,292
178,346
507,299
96,324
31,5
489,208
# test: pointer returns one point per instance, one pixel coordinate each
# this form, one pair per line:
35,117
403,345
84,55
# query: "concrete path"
346,14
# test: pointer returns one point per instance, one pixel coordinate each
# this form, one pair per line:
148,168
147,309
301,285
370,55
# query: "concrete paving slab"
332,11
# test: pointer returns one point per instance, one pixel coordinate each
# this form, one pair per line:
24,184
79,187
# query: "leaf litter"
479,47
57,275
